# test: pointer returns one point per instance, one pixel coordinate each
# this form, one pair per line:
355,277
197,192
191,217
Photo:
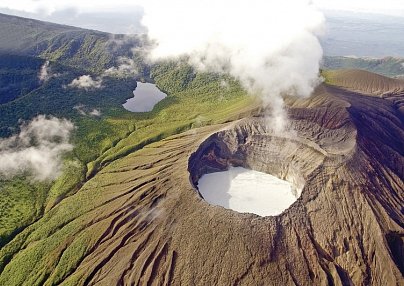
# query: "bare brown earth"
366,82
141,220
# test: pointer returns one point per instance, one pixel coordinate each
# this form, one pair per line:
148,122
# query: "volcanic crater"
150,226
293,155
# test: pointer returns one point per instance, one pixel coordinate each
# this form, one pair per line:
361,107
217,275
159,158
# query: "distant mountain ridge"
86,49
365,82
387,66
18,76
25,45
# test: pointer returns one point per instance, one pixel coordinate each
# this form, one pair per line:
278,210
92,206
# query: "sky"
385,7
124,16
393,7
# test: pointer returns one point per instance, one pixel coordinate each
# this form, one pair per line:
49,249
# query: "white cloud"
51,6
86,82
95,112
224,84
122,16
126,67
83,110
80,109
37,149
44,73
271,48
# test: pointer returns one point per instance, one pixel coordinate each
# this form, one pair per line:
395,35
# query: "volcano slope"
141,221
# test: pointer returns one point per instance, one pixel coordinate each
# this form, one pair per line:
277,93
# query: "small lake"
247,191
145,97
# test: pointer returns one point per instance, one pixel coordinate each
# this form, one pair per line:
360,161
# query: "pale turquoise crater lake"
247,191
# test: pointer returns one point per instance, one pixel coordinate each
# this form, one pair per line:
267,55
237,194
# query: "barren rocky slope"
141,221
366,82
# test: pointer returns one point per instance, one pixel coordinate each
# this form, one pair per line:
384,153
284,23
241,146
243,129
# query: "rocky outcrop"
141,220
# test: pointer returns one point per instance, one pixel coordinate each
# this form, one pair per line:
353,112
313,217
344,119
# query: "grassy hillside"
22,35
80,48
18,76
390,66
193,100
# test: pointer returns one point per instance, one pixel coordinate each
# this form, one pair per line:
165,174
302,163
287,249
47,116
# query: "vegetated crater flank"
141,221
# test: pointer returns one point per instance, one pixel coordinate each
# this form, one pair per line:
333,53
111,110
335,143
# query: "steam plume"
270,46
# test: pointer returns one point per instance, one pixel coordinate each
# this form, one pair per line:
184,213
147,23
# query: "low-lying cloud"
86,82
95,112
37,149
270,46
44,75
126,68
83,110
